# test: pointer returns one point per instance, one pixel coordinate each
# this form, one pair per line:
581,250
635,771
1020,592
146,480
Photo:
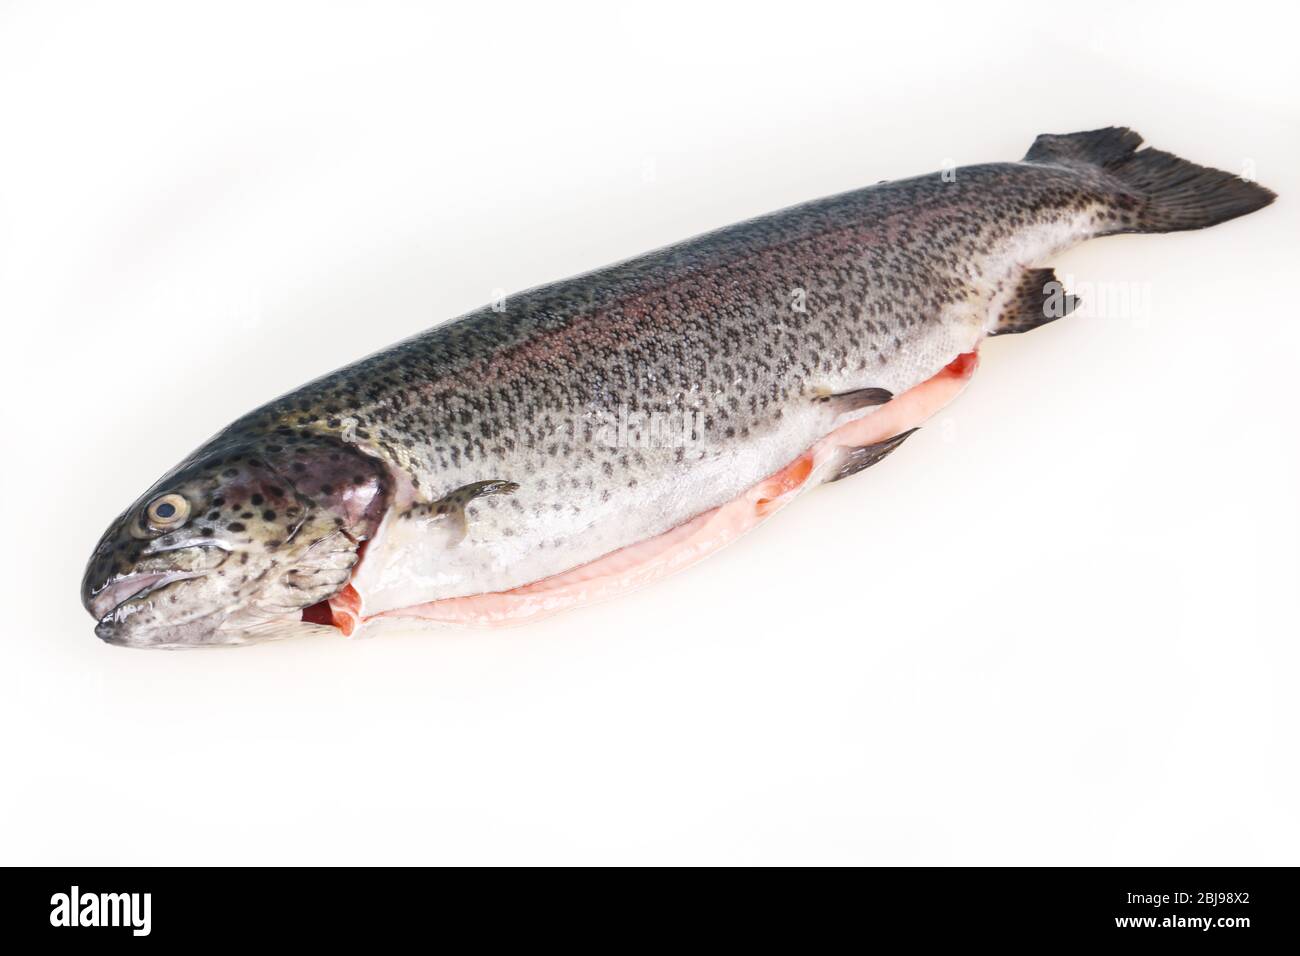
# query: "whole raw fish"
589,436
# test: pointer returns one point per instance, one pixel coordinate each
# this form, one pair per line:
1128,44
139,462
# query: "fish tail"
1155,191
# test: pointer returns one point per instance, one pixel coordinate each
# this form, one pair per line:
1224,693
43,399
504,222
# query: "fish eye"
167,511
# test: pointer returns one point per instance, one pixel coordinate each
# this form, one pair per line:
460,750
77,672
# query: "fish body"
579,431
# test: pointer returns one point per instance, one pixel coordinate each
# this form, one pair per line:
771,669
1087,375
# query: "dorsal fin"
1038,298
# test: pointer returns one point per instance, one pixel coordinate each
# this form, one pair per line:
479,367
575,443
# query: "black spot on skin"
257,500
230,472
268,515
235,526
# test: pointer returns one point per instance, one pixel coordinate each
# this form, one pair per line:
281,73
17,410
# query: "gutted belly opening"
646,561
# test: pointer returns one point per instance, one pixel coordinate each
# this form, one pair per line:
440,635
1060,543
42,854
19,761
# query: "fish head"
234,543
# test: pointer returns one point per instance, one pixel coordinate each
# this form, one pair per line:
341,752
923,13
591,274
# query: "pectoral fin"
450,508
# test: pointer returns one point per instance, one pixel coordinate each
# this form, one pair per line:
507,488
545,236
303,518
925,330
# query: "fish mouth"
158,568
120,605
105,603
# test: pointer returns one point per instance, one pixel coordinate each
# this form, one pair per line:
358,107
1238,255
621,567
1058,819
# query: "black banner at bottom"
215,905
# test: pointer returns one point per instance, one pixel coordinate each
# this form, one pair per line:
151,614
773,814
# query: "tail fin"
1171,194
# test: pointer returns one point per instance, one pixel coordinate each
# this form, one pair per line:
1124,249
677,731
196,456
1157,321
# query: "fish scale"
733,335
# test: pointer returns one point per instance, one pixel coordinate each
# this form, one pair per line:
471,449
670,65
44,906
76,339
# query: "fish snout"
141,603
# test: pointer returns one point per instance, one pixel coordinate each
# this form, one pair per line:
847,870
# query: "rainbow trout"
592,435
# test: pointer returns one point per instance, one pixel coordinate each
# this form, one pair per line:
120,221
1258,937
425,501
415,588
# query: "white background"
1058,627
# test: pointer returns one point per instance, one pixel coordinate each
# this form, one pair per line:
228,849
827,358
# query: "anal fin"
1038,298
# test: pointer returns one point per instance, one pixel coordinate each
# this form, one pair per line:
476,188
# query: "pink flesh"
647,561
